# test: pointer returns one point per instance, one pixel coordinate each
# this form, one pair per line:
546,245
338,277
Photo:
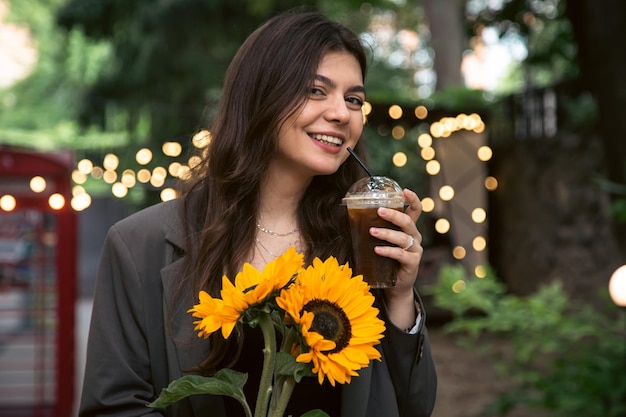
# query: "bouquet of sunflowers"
326,317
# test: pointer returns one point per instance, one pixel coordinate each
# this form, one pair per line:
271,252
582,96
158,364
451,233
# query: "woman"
274,177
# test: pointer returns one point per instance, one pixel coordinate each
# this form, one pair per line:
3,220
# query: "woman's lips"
327,139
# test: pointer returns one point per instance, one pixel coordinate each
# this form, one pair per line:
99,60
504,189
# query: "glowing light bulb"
484,153
491,183
428,204
38,184
143,156
421,112
617,286
85,166
111,161
395,112
427,153
81,202
433,167
424,140
143,175
479,215
172,149
480,271
119,190
367,108
168,194
201,139
459,286
56,201
128,178
8,202
79,177
459,252
479,243
442,226
398,132
399,159
446,193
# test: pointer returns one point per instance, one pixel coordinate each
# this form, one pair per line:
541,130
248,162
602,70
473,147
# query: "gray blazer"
137,344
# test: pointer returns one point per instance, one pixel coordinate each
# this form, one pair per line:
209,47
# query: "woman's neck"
279,200
277,219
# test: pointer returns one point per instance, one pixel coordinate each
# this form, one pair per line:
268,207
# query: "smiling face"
313,140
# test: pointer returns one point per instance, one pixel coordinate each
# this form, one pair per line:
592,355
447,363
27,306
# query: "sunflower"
251,288
337,320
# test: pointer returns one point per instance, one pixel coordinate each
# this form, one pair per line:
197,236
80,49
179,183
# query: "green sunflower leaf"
224,382
315,413
286,365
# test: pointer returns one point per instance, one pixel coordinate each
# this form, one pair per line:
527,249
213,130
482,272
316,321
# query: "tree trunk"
600,31
445,19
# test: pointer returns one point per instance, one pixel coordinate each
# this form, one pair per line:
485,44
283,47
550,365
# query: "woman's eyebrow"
324,79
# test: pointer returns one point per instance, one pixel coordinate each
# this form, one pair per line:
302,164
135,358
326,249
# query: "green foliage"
386,84
460,100
40,111
565,358
618,208
618,204
169,58
547,32
381,149
315,413
481,295
225,382
286,365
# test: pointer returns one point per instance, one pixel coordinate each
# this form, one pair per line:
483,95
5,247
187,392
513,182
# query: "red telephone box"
37,283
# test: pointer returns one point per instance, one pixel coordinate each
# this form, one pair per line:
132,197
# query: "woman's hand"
408,252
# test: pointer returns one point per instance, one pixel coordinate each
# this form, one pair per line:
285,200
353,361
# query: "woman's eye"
355,101
316,91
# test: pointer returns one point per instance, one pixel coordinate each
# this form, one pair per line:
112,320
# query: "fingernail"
374,230
382,211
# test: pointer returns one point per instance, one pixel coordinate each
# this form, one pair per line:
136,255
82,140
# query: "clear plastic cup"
363,200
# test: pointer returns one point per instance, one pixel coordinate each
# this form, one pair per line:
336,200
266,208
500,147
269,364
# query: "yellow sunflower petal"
250,287
329,289
227,328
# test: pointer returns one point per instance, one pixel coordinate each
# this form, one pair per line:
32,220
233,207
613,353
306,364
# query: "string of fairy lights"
122,180
128,178
446,127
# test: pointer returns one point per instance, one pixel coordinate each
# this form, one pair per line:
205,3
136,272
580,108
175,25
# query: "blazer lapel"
355,395
184,349
371,394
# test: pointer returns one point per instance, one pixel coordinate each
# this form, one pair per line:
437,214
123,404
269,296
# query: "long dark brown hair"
268,80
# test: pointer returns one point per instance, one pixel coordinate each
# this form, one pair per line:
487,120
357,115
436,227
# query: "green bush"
562,357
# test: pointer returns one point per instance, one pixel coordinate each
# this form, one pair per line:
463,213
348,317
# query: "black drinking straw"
360,162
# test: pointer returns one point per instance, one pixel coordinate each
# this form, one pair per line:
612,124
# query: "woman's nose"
337,111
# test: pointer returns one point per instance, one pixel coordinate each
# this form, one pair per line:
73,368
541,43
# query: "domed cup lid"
375,191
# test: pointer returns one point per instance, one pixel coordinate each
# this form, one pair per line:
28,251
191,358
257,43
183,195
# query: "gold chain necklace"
273,233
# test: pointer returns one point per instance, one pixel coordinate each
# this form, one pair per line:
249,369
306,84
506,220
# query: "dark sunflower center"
331,322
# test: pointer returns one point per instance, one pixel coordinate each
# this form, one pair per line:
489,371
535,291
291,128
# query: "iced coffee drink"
363,200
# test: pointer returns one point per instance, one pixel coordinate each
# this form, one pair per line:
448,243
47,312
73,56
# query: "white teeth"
328,139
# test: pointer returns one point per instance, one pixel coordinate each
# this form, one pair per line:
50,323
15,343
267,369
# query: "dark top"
307,395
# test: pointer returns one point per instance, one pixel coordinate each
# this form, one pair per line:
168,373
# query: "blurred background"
505,116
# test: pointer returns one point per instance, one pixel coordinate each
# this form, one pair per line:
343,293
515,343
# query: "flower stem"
289,340
285,394
269,358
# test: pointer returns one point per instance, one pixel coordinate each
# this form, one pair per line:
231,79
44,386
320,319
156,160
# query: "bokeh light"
56,201
38,184
8,202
